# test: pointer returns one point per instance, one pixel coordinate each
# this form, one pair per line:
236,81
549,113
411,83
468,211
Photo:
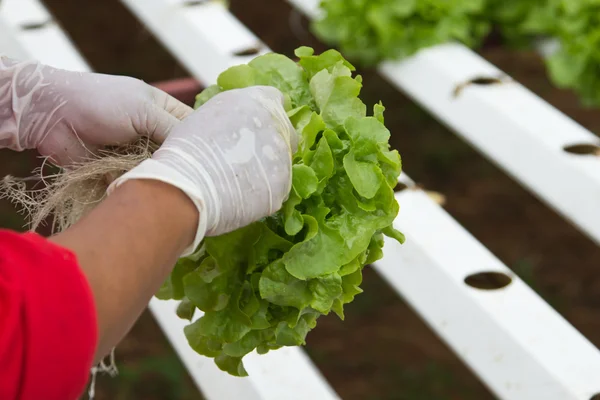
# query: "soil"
382,350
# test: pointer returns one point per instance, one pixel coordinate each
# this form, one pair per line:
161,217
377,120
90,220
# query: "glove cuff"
154,170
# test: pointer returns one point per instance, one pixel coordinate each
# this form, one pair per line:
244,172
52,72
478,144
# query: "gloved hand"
232,157
66,115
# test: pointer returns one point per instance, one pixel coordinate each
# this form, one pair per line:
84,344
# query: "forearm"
127,247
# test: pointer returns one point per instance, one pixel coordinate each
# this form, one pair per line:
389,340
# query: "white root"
66,196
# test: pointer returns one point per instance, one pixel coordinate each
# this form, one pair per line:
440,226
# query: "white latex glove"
66,115
232,157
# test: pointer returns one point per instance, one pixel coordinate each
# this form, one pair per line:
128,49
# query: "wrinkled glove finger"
154,123
170,104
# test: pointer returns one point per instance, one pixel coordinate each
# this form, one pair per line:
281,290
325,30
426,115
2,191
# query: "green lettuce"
576,64
371,31
522,21
264,286
575,24
368,31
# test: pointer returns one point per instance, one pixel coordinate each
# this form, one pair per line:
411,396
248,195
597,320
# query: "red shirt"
48,329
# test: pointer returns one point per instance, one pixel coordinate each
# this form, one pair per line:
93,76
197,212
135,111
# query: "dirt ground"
383,351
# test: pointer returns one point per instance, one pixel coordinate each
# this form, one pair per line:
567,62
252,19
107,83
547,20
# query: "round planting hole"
192,3
488,280
32,26
583,149
485,80
478,81
251,51
400,187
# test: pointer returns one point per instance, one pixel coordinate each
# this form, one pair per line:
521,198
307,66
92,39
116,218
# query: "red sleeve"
48,329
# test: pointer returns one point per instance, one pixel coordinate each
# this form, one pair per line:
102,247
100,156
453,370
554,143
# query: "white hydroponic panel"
27,30
203,36
517,344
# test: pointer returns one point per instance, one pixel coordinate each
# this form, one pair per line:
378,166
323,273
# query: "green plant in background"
369,31
522,21
576,64
575,24
264,286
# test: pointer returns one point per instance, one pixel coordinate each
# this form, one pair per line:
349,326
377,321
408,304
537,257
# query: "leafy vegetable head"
373,30
264,286
523,21
575,24
576,64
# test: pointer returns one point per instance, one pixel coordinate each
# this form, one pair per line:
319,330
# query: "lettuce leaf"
264,286
576,64
575,24
522,21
